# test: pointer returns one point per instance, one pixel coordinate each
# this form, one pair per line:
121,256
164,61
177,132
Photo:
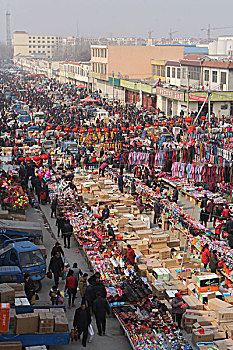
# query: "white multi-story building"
35,45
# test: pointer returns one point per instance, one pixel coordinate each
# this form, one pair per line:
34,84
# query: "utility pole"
209,96
113,85
188,95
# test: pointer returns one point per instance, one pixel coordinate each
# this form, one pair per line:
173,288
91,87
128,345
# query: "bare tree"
74,51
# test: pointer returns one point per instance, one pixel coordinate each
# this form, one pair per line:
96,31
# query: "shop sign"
198,98
168,93
215,96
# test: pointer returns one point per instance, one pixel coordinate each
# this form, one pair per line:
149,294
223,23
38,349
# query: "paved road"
114,338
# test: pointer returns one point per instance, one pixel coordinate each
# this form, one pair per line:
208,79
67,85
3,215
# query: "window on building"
53,42
158,71
29,41
173,72
194,73
178,73
223,77
29,51
43,42
34,51
102,52
34,46
206,75
39,46
105,69
153,70
43,51
48,45
184,73
52,37
168,72
34,41
30,46
43,37
38,37
105,53
214,76
163,71
34,37
39,51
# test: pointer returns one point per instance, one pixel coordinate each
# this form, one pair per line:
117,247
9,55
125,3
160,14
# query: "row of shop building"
174,80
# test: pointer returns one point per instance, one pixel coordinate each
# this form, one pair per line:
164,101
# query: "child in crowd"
54,295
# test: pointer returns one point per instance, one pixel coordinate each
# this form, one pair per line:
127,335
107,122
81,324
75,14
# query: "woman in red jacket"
71,286
205,255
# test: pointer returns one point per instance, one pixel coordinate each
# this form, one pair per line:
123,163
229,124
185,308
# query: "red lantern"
58,128
147,125
45,156
106,129
164,123
36,158
189,119
179,120
28,159
123,128
82,130
139,126
21,159
171,122
114,129
66,129
75,130
203,117
90,130
156,123
48,127
131,127
97,129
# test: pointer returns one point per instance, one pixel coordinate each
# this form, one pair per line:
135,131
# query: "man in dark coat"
56,265
156,211
100,308
67,231
82,319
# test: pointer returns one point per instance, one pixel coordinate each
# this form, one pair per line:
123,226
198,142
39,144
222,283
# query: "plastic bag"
49,275
63,275
91,333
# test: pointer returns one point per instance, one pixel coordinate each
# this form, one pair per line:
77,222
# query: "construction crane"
171,33
208,30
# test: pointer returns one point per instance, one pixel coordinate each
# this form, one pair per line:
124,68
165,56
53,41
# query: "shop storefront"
169,101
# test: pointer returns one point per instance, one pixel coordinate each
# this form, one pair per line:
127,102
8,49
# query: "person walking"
204,201
156,211
29,287
175,195
120,183
178,308
56,266
205,255
100,308
54,206
210,208
82,319
139,204
60,222
214,261
83,285
71,287
57,248
77,271
67,233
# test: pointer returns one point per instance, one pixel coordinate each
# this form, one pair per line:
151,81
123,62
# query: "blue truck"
24,254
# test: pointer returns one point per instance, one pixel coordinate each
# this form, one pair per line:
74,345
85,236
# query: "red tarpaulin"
81,86
88,99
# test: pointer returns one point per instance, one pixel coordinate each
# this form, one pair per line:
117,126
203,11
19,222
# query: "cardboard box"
226,344
225,314
61,323
11,345
161,274
158,238
208,280
165,253
193,302
18,287
170,263
206,289
208,336
229,300
142,270
229,330
4,317
46,323
26,323
7,294
215,304
57,310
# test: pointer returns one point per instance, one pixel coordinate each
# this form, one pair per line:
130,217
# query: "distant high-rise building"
36,45
8,32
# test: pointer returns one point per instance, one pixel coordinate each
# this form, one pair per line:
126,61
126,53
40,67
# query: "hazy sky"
98,18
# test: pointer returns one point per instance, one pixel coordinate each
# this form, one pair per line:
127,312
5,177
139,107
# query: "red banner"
198,98
4,317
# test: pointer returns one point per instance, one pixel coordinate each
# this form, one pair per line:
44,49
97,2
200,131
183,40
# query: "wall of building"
134,62
20,42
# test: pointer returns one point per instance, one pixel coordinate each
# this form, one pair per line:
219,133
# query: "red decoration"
58,128
45,156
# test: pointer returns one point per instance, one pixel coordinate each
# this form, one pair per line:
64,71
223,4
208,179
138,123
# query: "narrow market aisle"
192,209
114,338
